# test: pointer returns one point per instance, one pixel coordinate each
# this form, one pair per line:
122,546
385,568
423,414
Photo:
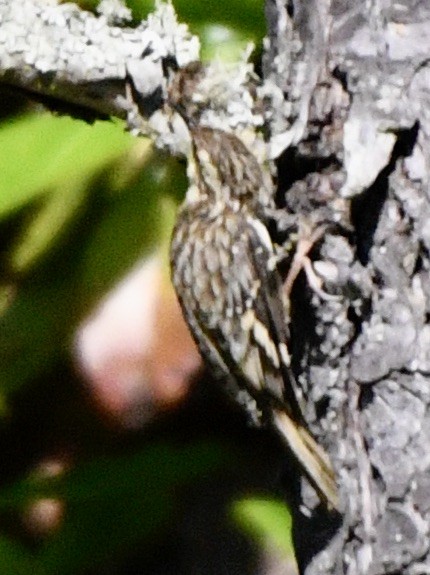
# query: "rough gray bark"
100,67
93,63
356,78
349,110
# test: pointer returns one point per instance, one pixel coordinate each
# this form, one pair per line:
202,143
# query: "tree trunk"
355,125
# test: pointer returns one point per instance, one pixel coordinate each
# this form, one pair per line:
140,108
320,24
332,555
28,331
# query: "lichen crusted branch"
62,52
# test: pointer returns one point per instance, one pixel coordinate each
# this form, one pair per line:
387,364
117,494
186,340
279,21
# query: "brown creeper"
224,272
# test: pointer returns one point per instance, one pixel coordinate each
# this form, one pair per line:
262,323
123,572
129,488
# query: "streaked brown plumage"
224,272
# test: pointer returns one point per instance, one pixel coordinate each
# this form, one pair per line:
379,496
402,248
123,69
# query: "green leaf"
267,520
60,156
42,153
246,16
221,42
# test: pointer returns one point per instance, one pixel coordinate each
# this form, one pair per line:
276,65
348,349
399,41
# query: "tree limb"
71,55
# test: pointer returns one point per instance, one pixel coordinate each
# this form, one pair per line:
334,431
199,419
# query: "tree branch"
62,52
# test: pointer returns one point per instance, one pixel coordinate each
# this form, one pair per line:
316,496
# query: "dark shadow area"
312,534
54,417
12,103
18,98
293,167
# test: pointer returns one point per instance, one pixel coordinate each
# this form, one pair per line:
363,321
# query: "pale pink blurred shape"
135,350
45,515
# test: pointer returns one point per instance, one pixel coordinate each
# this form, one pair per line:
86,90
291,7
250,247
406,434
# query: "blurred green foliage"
268,521
89,210
112,505
79,206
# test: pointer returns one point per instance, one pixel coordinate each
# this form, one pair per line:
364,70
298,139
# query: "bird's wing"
207,344
270,332
247,323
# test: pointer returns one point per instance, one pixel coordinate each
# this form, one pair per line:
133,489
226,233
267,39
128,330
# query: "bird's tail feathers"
311,457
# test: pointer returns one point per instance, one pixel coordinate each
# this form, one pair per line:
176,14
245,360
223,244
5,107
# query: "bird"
225,273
